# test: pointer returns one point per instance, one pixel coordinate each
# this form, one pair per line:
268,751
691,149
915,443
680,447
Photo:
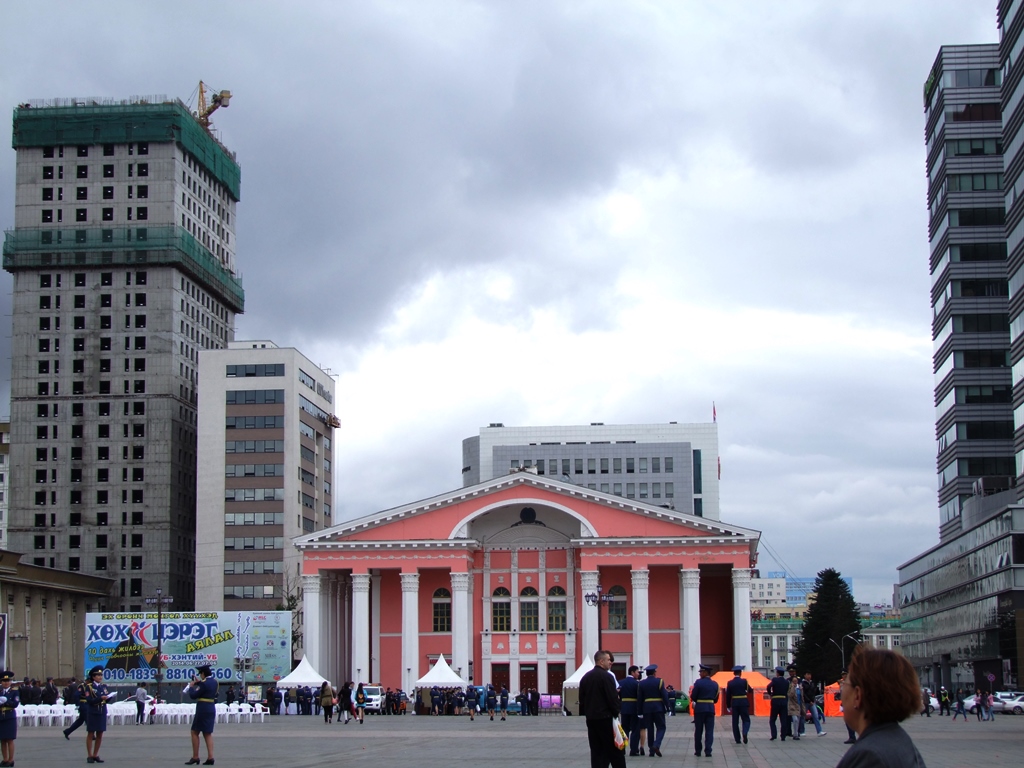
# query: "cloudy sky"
565,212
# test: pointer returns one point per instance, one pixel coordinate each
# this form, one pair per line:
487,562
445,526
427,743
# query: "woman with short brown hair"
880,691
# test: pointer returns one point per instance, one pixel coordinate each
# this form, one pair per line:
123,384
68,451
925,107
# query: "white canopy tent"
573,681
303,674
571,687
440,674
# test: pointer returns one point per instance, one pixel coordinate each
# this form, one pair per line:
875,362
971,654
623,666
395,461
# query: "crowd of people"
879,691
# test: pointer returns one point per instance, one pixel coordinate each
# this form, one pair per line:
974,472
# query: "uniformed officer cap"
780,670
204,669
738,668
650,669
6,675
704,668
97,670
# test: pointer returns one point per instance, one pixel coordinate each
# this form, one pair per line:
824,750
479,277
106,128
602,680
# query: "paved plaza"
442,742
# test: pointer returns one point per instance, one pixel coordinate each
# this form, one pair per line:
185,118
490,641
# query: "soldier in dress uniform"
203,691
96,696
491,700
503,701
628,696
704,696
778,689
653,703
8,717
737,702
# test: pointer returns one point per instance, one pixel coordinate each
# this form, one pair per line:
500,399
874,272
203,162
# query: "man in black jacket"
599,704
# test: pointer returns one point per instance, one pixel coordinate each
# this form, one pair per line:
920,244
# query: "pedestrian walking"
960,710
653,703
203,691
97,696
599,704
8,717
737,703
778,689
705,697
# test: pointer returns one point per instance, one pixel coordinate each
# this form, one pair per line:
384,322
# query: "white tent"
440,674
304,674
573,681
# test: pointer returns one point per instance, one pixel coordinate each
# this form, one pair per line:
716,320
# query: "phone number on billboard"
170,673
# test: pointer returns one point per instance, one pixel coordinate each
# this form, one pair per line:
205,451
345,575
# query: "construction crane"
217,100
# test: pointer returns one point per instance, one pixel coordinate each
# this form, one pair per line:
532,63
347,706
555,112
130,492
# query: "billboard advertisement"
125,644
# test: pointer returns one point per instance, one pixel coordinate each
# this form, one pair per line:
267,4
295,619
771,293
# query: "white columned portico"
360,627
741,617
374,668
689,581
591,614
410,629
462,624
641,617
311,618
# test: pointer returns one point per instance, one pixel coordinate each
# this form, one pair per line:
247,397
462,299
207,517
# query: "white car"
374,698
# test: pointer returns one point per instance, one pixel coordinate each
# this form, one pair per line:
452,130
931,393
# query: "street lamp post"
842,653
159,601
597,600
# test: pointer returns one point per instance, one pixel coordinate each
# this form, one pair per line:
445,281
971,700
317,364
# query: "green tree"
831,629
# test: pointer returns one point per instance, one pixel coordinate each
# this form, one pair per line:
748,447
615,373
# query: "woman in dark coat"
880,691
8,717
203,691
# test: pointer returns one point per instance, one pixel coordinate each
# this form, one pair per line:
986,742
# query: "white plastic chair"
244,713
31,713
258,710
222,712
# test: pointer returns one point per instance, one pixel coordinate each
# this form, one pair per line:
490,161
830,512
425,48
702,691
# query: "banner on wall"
125,644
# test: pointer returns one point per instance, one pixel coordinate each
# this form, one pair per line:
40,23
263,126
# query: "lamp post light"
842,653
159,600
598,600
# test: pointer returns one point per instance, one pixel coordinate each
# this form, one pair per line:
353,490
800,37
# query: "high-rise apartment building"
266,472
123,258
961,601
671,465
5,479
974,413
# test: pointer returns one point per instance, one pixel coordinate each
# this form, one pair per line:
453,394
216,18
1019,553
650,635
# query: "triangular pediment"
531,507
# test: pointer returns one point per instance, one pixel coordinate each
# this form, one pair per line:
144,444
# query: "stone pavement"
444,742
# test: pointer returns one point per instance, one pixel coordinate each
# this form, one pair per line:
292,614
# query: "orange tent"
832,700
758,682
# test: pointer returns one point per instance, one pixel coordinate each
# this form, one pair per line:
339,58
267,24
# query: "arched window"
529,610
556,610
442,610
617,608
501,610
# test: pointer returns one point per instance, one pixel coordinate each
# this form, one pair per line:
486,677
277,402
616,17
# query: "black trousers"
603,751
79,722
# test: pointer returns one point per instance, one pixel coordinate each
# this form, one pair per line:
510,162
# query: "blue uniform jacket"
7,710
204,694
704,695
736,693
778,688
629,695
653,697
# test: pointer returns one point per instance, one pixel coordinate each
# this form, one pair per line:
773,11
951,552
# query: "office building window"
442,602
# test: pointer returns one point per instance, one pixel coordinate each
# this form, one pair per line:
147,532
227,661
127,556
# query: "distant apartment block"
671,465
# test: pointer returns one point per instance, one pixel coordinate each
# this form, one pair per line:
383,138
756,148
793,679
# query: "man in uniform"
705,697
944,701
628,695
778,689
503,701
599,704
653,704
738,704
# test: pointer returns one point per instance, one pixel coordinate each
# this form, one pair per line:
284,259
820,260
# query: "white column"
462,623
741,617
374,674
641,618
689,581
410,630
588,584
360,628
311,618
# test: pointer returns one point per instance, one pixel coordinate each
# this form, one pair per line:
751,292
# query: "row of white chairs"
125,713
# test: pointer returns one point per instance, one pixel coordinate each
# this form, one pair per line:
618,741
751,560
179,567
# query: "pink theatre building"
496,577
